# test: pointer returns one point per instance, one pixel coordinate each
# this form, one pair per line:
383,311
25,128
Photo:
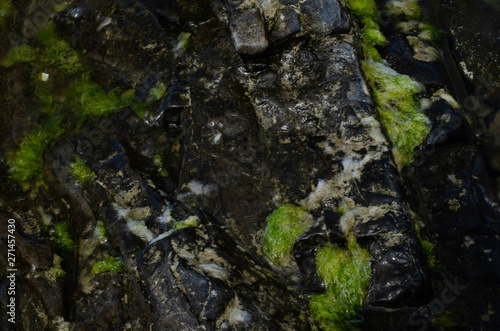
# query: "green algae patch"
158,162
112,265
284,226
95,102
58,52
346,274
62,236
100,232
397,99
20,54
27,162
191,221
81,170
430,254
365,10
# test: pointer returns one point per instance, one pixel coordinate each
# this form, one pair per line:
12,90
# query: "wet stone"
248,32
324,16
286,25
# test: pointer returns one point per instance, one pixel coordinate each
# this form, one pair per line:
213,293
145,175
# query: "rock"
286,25
324,16
248,32
475,44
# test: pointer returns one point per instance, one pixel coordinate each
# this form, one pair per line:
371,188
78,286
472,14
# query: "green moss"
81,170
430,254
100,232
284,225
95,102
406,8
57,51
365,10
346,274
397,100
191,221
27,162
111,264
56,272
20,54
62,236
158,162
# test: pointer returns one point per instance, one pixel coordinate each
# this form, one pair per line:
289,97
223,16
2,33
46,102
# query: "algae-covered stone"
346,275
284,226
397,99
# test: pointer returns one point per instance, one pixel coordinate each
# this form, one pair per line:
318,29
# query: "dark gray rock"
248,32
324,16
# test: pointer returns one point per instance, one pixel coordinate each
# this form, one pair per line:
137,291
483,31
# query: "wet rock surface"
263,104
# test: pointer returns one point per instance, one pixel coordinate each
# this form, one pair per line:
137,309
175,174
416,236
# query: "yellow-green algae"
62,236
397,99
396,96
81,170
284,225
20,54
430,254
158,162
111,264
366,11
82,100
100,232
346,274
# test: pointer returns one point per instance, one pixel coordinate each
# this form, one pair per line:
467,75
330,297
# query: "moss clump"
346,274
158,162
20,54
191,221
27,162
95,102
58,52
81,170
406,8
367,12
430,254
284,225
100,232
56,272
62,236
112,265
397,100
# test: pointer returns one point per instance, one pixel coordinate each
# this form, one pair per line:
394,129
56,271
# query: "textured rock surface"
262,104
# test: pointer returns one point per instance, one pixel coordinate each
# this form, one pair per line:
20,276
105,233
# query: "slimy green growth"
158,162
111,264
100,232
430,254
397,100
346,274
81,170
284,225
